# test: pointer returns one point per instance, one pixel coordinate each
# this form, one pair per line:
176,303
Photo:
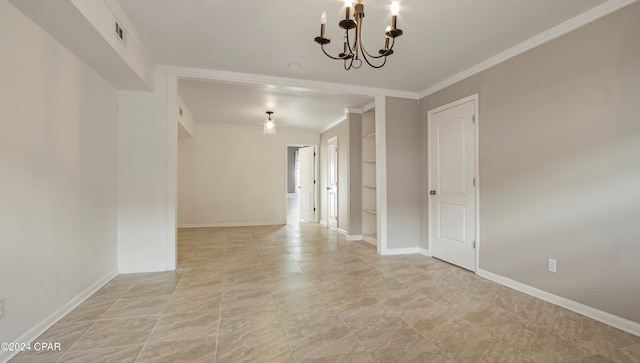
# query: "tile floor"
301,293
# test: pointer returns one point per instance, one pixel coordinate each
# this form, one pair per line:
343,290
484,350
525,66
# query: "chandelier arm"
371,64
352,50
329,55
364,49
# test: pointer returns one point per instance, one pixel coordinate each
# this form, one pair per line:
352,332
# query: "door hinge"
314,154
314,209
474,182
314,182
474,244
473,118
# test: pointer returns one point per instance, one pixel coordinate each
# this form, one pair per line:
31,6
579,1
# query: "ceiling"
441,38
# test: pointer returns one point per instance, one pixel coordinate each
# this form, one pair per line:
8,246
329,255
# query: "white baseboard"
342,231
324,223
239,224
355,237
370,240
33,333
599,315
140,269
424,251
400,251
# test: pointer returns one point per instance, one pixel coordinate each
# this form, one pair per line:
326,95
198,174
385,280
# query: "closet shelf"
370,136
371,211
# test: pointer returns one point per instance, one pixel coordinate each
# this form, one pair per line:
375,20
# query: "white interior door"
332,183
452,183
306,183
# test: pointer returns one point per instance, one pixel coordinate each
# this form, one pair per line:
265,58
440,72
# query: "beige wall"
559,143
355,174
403,173
234,176
58,186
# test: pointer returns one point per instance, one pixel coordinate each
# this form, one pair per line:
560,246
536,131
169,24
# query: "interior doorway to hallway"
301,184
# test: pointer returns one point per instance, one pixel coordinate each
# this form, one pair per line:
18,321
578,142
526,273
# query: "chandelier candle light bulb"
354,51
395,9
323,23
347,6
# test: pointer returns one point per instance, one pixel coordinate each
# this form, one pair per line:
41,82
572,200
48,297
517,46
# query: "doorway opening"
301,184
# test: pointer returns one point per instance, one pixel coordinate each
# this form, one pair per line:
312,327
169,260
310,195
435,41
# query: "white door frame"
337,227
461,101
315,177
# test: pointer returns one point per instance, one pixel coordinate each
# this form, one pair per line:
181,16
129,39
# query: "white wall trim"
400,251
317,86
599,315
323,223
342,232
143,268
555,32
33,333
172,172
370,240
255,127
355,237
334,123
424,251
381,173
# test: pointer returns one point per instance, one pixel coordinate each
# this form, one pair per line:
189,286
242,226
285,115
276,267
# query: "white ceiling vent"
120,33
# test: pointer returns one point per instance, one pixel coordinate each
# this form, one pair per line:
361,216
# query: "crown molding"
335,123
317,86
279,129
555,32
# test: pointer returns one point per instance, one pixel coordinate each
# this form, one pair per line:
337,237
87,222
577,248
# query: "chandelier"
354,50
269,125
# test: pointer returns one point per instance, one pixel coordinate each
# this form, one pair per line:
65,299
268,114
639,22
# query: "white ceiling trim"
279,129
557,31
212,74
334,123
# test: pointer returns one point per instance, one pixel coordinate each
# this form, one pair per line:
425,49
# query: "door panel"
306,178
452,199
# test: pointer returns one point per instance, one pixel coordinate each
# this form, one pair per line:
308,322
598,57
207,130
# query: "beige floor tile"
189,325
117,333
89,310
201,350
319,336
123,354
268,347
381,331
418,352
302,293
140,289
143,306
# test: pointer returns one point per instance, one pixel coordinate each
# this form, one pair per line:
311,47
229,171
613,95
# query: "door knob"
433,192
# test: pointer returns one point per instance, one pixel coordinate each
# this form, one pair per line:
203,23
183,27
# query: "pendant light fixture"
269,125
354,50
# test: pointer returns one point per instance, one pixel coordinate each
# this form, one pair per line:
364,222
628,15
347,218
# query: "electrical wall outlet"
553,265
1,307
